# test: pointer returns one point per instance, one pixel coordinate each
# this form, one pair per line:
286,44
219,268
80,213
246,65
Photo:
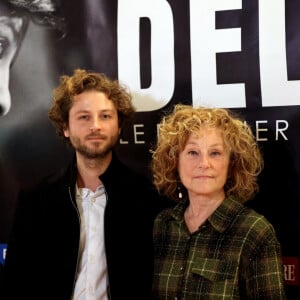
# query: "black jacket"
41,258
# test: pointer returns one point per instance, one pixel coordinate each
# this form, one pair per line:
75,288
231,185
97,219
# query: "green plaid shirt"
234,255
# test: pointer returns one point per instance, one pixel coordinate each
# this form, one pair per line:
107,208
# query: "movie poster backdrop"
243,55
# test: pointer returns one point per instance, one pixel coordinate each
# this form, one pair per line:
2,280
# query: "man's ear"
66,130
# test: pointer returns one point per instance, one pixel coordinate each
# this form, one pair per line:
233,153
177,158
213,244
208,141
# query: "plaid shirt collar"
220,219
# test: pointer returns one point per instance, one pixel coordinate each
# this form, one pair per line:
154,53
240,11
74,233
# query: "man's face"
93,127
12,31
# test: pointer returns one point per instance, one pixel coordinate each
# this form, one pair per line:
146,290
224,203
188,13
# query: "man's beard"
94,152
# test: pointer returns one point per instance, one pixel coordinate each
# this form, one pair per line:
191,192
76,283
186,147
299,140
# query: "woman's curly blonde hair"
82,81
246,160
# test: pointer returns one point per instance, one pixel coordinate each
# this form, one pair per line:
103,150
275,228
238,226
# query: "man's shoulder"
45,184
127,172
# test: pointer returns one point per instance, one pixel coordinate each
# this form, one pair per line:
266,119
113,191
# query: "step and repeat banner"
243,55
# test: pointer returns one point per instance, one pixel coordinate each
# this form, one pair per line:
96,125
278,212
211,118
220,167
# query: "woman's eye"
215,153
192,153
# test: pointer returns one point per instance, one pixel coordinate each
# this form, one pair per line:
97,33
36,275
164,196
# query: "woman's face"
12,31
203,164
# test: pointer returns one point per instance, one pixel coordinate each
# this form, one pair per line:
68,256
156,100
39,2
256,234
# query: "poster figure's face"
12,31
14,20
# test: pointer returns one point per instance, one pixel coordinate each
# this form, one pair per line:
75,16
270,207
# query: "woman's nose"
203,161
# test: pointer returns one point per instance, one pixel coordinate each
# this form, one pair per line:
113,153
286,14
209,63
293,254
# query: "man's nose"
95,124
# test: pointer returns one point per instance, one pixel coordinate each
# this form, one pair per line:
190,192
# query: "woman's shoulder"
257,229
254,218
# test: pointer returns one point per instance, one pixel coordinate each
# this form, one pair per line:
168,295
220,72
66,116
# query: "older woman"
209,245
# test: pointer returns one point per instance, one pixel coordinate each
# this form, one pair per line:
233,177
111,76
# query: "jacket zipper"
74,280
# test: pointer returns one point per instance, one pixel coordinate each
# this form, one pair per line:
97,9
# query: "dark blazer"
42,254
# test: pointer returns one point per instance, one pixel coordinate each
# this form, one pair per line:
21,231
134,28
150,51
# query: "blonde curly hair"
246,160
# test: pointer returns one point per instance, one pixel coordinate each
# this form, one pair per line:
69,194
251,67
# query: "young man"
85,234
